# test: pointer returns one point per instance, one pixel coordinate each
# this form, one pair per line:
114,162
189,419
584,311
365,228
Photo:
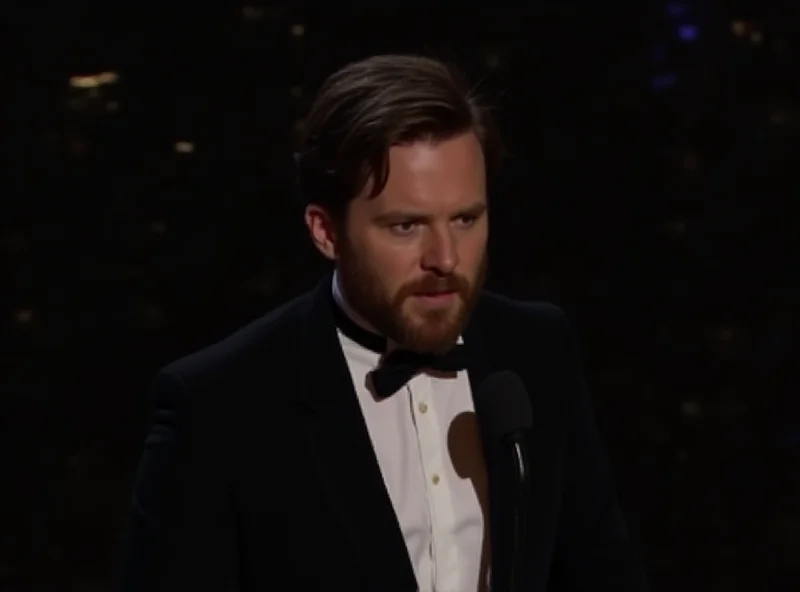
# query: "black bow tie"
399,366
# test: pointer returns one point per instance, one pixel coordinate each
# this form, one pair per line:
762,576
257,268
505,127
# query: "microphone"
504,411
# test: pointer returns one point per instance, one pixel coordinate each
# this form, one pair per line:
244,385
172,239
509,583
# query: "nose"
441,255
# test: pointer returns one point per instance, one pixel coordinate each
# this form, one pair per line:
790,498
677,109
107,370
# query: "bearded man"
334,443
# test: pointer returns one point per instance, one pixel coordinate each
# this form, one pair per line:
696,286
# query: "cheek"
394,260
473,250
396,267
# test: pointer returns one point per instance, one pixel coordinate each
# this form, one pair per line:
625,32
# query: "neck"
341,299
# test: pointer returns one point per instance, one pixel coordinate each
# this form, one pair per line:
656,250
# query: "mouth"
436,298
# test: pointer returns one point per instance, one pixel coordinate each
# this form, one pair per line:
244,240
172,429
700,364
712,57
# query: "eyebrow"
392,217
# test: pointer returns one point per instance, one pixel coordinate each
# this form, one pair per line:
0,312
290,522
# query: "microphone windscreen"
503,405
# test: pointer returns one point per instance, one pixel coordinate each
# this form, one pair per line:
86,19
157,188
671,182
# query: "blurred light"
675,9
677,228
296,92
157,227
739,28
184,147
153,316
78,147
779,117
94,80
691,408
298,30
726,334
756,37
112,106
688,33
492,60
253,13
663,81
23,316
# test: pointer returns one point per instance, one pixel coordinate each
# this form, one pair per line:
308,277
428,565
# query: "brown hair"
367,107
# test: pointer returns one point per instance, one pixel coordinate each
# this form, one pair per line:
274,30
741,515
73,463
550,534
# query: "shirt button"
435,479
422,407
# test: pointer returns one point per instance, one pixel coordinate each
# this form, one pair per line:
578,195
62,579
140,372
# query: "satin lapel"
482,364
345,458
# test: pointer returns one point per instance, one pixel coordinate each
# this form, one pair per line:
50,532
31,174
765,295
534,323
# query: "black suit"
259,474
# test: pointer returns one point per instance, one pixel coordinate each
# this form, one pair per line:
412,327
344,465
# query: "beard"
433,330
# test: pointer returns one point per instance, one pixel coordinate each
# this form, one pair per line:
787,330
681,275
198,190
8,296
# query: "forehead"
434,175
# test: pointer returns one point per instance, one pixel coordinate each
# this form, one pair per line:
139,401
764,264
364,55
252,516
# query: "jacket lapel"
481,365
493,350
345,458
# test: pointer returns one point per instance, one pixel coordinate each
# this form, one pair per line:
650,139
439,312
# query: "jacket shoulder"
259,343
522,331
501,310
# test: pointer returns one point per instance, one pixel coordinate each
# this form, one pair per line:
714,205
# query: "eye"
466,221
404,228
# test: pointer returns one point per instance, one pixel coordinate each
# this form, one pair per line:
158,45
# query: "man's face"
412,260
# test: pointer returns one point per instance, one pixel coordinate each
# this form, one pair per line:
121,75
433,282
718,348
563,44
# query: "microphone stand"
520,515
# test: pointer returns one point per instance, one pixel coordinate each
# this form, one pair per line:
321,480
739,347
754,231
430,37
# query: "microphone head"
503,405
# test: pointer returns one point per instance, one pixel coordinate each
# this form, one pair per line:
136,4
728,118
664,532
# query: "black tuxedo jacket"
258,472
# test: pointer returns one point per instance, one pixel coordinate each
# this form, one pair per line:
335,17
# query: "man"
298,455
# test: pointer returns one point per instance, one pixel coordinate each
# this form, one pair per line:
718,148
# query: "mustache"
432,284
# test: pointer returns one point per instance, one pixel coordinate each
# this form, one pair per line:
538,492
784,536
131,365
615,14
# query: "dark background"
649,192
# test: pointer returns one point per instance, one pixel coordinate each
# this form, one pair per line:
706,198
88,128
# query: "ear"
322,231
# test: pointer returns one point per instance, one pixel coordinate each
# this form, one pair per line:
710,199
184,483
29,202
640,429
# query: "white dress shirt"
427,444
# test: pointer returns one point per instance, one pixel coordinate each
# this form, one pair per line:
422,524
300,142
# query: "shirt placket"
432,457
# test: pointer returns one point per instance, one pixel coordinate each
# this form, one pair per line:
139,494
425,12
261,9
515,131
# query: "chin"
439,346
428,336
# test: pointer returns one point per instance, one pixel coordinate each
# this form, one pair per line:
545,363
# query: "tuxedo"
259,473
